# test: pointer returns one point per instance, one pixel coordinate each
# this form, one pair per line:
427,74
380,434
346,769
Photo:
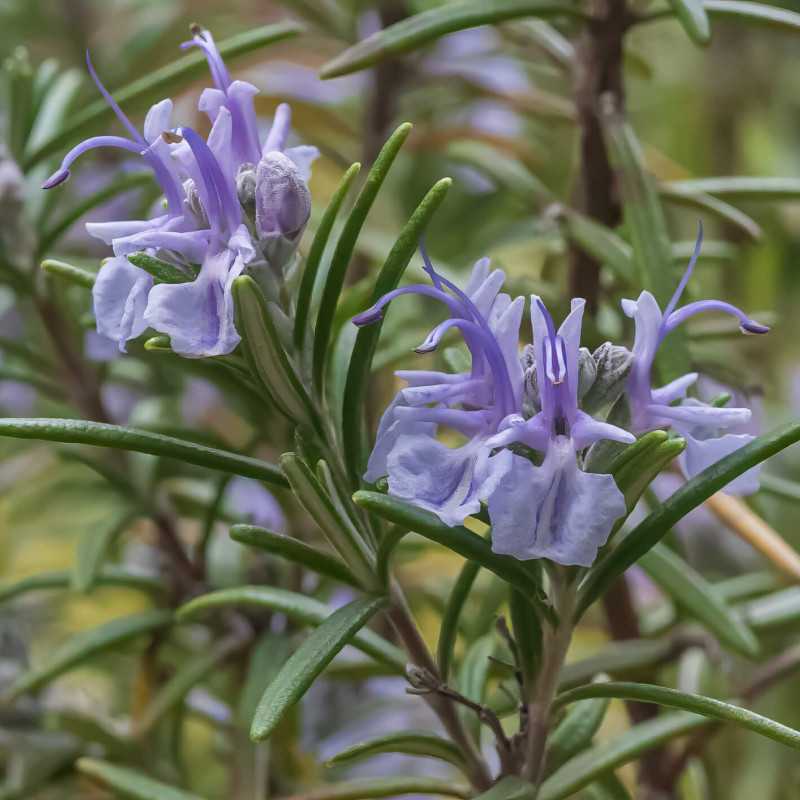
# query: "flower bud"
612,365
282,206
587,372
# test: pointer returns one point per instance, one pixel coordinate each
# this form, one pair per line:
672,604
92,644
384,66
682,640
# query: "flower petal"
447,481
674,390
702,453
120,296
391,427
158,120
303,156
555,511
586,430
199,316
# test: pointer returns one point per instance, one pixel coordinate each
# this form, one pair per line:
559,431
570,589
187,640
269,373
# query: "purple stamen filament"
217,190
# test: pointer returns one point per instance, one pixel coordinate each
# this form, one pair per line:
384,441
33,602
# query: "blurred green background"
492,109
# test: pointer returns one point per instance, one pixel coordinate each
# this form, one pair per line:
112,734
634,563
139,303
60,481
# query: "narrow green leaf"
61,93
448,630
316,251
741,188
509,788
638,473
73,274
153,87
691,592
61,579
345,245
591,764
629,658
295,551
173,692
644,218
118,437
527,629
86,645
125,782
780,487
18,100
651,530
360,365
265,353
774,610
695,703
643,448
610,787
338,529
32,376
416,31
162,271
693,18
414,743
575,732
299,607
386,548
713,205
508,173
762,13
265,660
715,251
93,547
748,584
599,242
459,539
367,788
309,660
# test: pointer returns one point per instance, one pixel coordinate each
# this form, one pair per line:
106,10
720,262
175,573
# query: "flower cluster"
230,203
522,419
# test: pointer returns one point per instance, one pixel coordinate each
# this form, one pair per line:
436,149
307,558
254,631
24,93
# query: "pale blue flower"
273,177
702,425
452,481
121,290
556,510
199,316
229,202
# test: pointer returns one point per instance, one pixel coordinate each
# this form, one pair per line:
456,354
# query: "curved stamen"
506,390
218,191
120,114
490,350
680,316
439,281
375,312
63,172
428,264
676,296
205,41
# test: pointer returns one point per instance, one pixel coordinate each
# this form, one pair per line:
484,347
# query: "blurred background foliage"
493,109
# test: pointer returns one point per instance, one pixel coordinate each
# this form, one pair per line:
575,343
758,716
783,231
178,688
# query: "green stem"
555,643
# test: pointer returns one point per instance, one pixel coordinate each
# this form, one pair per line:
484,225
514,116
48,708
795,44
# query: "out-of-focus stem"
737,516
444,708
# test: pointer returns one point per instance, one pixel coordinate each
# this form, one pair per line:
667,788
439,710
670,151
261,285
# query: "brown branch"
443,707
598,71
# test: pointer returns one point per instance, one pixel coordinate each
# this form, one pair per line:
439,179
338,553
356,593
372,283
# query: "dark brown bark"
598,71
